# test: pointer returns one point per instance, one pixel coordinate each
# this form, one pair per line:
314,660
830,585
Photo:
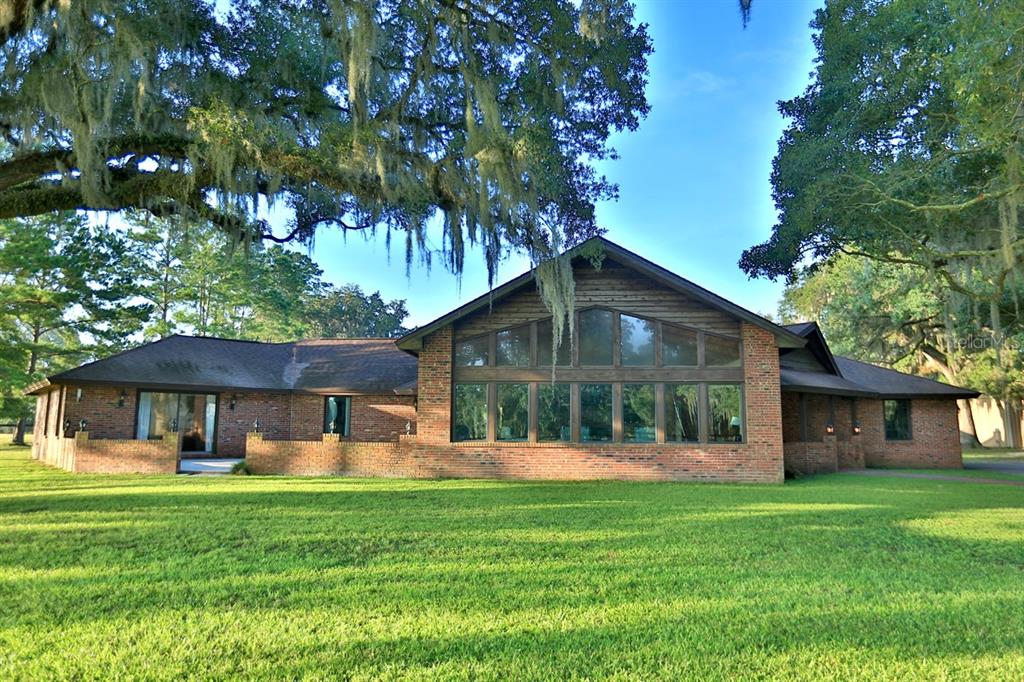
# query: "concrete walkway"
207,466
882,473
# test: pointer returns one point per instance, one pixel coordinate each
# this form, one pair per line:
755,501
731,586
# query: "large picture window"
682,413
725,413
513,411
636,341
897,419
545,339
194,415
621,378
721,352
638,413
553,418
596,412
337,414
595,337
472,352
513,347
678,347
470,412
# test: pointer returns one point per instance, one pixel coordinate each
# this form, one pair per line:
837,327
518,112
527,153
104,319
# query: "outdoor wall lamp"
856,428
234,401
830,428
121,398
82,423
256,426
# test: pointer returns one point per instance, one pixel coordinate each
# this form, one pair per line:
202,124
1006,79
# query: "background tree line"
899,185
72,290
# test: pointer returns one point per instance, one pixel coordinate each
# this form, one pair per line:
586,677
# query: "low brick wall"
810,457
109,456
412,458
850,454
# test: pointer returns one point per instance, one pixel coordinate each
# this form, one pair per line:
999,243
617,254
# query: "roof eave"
37,387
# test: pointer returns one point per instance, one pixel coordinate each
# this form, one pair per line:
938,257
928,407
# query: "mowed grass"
839,577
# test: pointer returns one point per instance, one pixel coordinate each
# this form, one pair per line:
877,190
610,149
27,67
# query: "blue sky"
694,179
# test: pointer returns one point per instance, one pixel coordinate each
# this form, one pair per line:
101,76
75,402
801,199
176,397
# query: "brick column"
763,399
433,411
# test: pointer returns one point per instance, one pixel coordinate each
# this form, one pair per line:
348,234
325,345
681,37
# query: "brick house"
660,380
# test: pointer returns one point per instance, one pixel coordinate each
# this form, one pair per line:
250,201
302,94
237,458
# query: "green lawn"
845,577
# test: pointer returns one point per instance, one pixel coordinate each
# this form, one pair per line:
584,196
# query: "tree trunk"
19,432
1011,421
970,435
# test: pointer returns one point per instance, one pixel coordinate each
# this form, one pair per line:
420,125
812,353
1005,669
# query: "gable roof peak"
413,341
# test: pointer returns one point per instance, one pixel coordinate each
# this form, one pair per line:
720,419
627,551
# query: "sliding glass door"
193,414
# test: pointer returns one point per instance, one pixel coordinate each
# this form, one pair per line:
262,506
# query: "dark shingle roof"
320,366
893,384
821,382
856,378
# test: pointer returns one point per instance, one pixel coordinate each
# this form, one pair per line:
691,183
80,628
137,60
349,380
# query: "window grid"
489,341
708,397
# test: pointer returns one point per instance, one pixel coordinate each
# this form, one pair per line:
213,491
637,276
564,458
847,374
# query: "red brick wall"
99,407
301,417
790,406
273,410
818,413
935,435
806,458
763,403
127,456
84,455
281,416
430,454
381,417
434,409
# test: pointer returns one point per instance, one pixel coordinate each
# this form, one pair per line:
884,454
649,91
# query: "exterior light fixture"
121,398
256,425
856,428
234,401
408,428
82,424
830,428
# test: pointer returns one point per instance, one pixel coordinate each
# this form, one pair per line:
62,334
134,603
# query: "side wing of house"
839,413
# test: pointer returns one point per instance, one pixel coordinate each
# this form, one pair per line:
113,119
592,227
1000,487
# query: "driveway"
1005,466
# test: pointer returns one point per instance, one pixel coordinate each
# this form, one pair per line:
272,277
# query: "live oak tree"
907,149
358,114
67,290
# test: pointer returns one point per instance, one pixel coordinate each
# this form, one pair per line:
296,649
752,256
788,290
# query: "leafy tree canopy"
354,114
198,282
67,289
907,146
